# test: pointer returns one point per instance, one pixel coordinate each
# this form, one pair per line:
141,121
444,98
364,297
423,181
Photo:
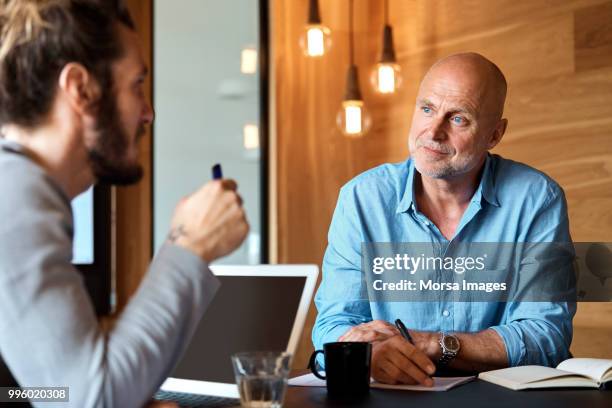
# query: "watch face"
451,343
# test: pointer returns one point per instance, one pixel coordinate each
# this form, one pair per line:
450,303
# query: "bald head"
458,116
477,75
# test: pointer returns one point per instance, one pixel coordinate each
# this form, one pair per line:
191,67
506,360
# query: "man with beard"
72,110
451,190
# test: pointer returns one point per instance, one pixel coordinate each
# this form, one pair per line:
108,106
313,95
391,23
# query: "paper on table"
440,383
307,380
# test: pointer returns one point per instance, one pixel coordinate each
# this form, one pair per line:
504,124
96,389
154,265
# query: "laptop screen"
248,313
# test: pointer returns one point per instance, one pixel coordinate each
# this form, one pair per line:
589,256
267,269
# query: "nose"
437,128
148,115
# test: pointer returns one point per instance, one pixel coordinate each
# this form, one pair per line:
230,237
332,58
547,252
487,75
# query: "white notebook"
440,383
575,372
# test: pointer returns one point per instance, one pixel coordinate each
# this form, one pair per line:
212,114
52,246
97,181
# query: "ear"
498,133
79,87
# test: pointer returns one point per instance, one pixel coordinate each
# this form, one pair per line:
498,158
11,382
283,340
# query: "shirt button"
426,223
445,313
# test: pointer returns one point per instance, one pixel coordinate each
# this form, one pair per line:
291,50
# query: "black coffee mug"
347,368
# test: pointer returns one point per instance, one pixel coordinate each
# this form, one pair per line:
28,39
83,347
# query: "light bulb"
250,136
315,40
353,119
386,77
248,60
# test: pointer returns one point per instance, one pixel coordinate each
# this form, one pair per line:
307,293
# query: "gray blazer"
49,334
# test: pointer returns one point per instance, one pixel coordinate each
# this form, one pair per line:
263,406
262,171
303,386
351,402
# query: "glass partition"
210,96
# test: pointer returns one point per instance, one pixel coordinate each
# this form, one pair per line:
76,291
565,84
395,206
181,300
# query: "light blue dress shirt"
513,203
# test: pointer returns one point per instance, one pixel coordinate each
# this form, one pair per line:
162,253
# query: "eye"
458,120
426,109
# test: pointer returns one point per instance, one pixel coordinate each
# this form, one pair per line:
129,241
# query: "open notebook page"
591,367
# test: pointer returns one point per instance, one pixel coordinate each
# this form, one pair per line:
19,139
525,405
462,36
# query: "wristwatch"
450,347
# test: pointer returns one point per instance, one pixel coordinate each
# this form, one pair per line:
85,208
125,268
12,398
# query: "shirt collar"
408,196
486,187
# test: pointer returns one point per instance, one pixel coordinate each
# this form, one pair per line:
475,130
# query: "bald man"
451,190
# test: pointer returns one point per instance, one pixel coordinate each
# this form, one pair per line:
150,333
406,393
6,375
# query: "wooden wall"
133,205
557,57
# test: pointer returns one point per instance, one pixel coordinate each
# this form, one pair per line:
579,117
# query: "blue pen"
217,173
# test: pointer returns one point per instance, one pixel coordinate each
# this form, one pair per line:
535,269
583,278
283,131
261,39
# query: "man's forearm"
481,351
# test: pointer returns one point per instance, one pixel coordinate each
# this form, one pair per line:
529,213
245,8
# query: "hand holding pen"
403,331
394,360
210,222
398,361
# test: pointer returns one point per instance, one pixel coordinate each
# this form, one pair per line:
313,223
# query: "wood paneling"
557,59
133,204
593,36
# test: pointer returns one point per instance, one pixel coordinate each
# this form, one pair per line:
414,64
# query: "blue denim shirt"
513,203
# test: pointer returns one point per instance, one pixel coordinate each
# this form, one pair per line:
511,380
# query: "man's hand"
376,330
396,361
210,222
428,343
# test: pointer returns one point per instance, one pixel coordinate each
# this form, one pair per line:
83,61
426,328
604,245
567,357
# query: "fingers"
416,356
228,184
217,187
224,191
376,330
382,326
231,209
387,372
212,221
228,189
396,360
409,368
363,335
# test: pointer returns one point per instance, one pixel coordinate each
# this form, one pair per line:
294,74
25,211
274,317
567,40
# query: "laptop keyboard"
196,400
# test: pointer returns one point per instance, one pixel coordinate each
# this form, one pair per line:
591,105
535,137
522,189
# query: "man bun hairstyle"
39,37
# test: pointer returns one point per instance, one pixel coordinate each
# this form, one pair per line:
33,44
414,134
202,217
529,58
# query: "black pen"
402,329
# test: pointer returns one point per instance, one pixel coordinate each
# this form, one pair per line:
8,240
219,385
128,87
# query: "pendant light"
386,75
353,119
316,38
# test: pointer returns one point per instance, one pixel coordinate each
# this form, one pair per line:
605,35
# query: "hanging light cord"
352,57
386,12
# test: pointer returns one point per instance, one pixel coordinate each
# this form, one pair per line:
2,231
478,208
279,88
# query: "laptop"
257,308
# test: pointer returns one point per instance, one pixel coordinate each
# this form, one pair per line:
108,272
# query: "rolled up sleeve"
340,299
537,333
540,332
